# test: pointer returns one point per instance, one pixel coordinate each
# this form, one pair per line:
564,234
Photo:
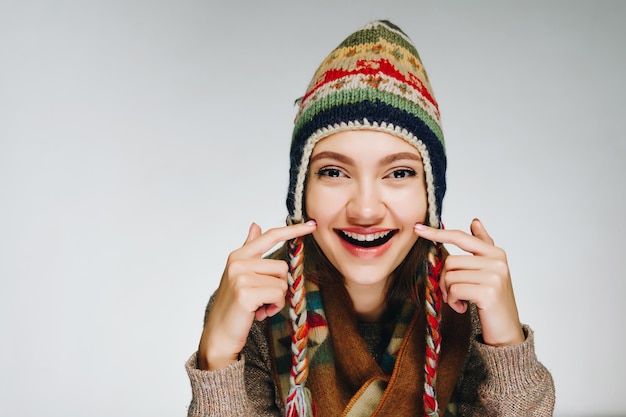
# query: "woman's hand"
251,287
482,278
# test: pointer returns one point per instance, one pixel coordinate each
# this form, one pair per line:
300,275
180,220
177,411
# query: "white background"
138,141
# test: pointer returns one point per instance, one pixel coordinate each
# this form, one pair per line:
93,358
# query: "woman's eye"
330,172
402,173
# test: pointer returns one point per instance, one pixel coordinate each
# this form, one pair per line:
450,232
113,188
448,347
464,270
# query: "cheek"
410,206
310,202
323,202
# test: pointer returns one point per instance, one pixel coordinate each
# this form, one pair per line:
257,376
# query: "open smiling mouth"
366,241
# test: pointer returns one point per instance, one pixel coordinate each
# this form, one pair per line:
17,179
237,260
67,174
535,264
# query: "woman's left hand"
482,278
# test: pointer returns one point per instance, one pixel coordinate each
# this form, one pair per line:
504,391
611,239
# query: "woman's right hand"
251,287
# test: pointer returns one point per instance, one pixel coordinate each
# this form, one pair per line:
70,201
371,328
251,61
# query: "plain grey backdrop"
139,140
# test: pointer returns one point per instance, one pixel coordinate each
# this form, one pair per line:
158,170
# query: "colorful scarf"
344,378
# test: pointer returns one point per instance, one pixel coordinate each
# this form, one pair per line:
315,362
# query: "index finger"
458,238
274,236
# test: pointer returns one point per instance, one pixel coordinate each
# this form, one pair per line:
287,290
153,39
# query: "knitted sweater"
496,381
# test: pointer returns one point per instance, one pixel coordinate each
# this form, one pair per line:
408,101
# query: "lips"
366,240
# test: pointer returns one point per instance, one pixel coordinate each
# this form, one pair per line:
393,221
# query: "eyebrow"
333,155
399,156
349,161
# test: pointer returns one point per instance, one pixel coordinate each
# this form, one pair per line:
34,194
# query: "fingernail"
420,227
311,223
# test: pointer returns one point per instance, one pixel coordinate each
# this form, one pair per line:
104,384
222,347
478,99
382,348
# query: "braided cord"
299,402
433,336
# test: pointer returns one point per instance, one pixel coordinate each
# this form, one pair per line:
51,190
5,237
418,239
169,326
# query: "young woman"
362,311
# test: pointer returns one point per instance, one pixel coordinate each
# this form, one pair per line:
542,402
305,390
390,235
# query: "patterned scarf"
344,378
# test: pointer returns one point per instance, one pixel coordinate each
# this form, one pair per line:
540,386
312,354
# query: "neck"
368,300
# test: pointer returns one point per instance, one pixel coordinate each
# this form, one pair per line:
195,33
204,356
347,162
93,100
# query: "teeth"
366,238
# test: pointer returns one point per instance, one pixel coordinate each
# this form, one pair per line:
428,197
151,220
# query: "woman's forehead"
364,141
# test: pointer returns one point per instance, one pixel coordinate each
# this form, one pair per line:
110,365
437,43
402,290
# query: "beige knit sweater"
496,381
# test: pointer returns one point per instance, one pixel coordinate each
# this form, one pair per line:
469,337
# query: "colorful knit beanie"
374,80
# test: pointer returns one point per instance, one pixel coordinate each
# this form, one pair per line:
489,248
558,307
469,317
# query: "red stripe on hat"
373,67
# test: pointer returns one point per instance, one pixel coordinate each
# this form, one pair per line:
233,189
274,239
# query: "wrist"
212,357
516,337
213,363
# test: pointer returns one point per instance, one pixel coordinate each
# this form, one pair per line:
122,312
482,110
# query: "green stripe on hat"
353,96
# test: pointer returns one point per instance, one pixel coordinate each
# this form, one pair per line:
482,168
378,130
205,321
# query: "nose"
365,206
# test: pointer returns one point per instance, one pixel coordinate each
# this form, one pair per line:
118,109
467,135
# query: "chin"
365,275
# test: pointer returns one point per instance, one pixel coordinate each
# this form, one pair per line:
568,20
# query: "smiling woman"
362,312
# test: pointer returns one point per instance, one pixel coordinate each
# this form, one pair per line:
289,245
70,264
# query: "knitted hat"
374,80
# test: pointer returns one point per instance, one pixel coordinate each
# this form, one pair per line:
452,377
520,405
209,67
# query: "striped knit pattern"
373,80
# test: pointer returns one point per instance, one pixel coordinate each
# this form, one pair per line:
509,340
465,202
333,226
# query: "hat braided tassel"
299,402
433,336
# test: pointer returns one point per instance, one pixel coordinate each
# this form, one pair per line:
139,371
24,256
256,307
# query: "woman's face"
366,190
